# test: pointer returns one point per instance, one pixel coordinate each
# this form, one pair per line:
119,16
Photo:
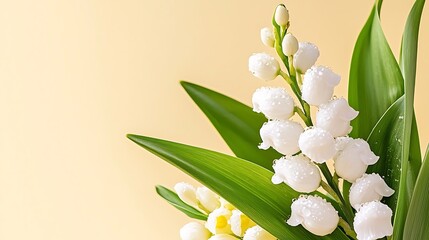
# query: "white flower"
194,231
186,193
267,37
289,44
282,15
305,57
368,188
223,237
240,223
258,233
217,221
273,102
317,144
264,66
335,117
208,200
225,204
315,214
298,172
282,135
373,221
353,158
318,85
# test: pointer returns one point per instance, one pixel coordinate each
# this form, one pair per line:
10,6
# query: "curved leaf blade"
244,184
236,123
173,199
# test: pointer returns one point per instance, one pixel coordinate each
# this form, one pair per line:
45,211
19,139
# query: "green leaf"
173,199
375,80
416,225
246,185
237,124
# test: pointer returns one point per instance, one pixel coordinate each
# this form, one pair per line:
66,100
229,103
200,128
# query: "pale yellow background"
77,75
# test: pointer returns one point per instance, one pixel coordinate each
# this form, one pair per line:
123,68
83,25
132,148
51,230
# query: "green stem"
330,191
346,227
304,117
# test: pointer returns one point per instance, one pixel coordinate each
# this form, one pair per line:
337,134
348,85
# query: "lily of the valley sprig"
278,185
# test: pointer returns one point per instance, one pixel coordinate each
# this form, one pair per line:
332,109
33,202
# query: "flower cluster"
224,221
307,149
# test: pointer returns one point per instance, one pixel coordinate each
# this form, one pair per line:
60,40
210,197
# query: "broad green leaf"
237,124
375,80
246,185
416,225
172,198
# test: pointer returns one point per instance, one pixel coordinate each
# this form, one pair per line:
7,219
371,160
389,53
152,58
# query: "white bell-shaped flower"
368,188
264,66
209,200
273,102
240,223
218,221
335,117
227,205
317,144
223,237
186,193
315,214
258,233
282,135
298,172
305,57
267,37
194,231
281,15
353,158
289,44
318,85
373,221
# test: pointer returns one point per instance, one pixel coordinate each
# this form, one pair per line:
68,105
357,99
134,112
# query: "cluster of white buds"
304,149
224,221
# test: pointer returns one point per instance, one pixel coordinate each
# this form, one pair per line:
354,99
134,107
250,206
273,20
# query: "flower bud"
317,144
208,200
240,223
353,158
258,233
305,57
282,15
267,37
273,102
186,193
223,237
315,214
368,188
373,221
264,66
298,172
217,221
335,117
194,231
282,135
318,85
289,45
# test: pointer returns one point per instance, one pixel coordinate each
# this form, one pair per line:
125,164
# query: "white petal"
194,231
273,102
264,66
373,221
240,223
335,117
289,45
218,221
267,37
368,188
315,214
186,193
298,172
223,237
305,57
317,144
282,135
208,199
318,85
258,233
